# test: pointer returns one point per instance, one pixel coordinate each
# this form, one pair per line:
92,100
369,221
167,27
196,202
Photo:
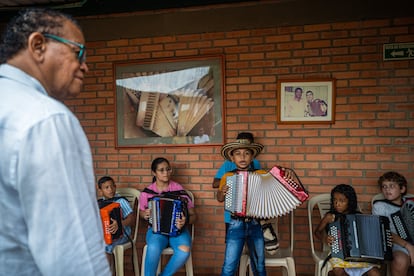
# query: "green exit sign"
398,51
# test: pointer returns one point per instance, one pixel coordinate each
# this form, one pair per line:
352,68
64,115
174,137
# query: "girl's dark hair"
103,179
350,194
14,38
393,177
155,164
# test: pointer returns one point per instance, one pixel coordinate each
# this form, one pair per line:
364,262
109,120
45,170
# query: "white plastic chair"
133,197
169,251
282,258
322,202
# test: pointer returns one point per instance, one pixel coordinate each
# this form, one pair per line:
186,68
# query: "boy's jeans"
238,233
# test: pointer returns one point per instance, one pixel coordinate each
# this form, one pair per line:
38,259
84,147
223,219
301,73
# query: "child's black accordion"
361,237
404,221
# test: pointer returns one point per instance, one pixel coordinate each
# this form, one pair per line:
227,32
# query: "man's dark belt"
244,219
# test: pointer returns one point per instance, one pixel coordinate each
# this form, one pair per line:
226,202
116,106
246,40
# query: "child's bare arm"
193,215
129,220
320,232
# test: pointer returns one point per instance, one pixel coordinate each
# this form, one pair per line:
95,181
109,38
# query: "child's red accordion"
111,210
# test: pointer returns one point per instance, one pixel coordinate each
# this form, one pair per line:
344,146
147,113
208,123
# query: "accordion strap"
172,194
104,202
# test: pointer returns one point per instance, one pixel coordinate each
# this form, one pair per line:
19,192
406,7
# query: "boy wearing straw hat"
228,166
242,229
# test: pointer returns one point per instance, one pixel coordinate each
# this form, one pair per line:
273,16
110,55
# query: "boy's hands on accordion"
113,227
180,222
288,174
221,193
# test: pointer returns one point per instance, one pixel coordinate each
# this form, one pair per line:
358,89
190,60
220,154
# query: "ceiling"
8,8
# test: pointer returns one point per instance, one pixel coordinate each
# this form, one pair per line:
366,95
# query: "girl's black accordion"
363,238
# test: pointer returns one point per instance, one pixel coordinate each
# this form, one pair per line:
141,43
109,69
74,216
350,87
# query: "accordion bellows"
178,112
263,196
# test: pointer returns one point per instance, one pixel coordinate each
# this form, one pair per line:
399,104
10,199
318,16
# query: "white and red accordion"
264,196
108,212
164,213
361,238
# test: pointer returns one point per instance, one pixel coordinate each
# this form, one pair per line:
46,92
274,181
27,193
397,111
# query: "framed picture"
169,102
306,101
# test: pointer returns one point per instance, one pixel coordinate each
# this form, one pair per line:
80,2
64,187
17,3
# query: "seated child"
107,188
394,188
181,244
343,201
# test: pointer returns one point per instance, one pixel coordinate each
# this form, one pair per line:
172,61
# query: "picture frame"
315,104
169,102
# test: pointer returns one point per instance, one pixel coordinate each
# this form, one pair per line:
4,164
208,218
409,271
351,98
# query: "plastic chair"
282,258
322,202
133,197
169,251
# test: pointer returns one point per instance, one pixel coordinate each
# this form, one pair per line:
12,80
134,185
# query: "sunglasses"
81,54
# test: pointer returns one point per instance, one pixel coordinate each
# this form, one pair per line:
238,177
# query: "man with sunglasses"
50,222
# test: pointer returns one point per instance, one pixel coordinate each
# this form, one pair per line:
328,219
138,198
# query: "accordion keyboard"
336,246
399,225
403,221
233,201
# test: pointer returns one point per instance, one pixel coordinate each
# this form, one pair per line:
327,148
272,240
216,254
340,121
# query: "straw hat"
226,150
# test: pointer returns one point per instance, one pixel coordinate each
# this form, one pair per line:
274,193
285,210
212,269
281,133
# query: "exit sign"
398,51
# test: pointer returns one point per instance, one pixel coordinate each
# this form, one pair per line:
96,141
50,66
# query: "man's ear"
36,44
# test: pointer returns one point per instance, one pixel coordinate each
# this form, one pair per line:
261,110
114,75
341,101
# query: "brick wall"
373,131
